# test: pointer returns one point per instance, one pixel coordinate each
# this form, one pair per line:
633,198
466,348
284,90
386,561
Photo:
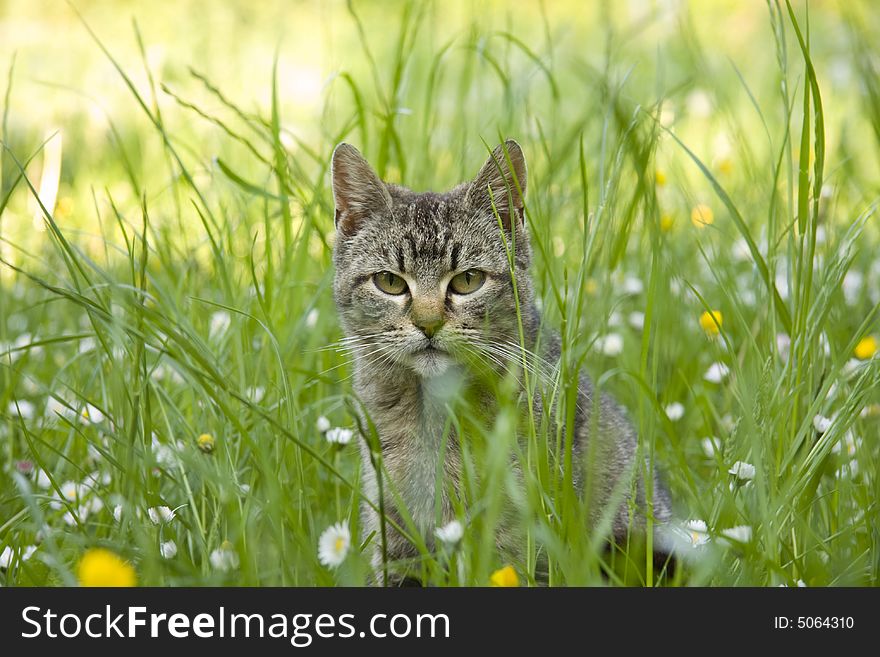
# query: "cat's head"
423,280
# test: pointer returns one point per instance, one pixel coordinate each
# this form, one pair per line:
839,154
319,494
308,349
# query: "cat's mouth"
430,360
431,348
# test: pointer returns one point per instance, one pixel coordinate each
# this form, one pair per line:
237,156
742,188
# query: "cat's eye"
467,281
389,283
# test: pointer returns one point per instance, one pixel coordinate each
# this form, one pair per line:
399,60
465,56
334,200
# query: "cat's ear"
357,190
505,174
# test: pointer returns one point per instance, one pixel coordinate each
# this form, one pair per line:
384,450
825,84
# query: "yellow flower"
725,166
206,443
100,567
666,222
659,178
702,215
505,577
64,207
711,321
866,348
591,286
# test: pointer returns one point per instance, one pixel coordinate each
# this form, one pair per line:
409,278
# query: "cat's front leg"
395,564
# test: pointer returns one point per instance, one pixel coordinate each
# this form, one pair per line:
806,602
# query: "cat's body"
424,287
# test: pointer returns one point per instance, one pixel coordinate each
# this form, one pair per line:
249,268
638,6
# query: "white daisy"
322,424
225,557
21,408
667,115
56,408
742,470
832,390
160,515
92,414
697,532
728,423
610,345
711,445
782,286
8,553
633,285
821,423
168,549
450,533
748,297
82,513
674,411
825,343
783,345
848,470
163,454
852,286
851,366
740,533
102,478
312,318
117,513
6,557
848,445
43,480
636,319
71,491
716,373
333,545
699,103
740,250
339,435
165,371
218,324
869,410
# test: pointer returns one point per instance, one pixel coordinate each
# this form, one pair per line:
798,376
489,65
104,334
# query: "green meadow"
702,188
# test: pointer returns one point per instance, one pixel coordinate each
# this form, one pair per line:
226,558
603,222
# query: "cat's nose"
429,325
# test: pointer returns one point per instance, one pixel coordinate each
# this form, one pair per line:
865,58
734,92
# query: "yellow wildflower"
206,443
101,567
711,322
666,222
702,215
64,207
866,348
659,178
504,577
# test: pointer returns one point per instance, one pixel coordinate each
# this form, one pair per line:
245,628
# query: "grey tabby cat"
423,283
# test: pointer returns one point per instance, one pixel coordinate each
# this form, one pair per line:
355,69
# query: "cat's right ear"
357,190
501,183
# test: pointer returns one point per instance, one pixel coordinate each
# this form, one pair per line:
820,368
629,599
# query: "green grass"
179,282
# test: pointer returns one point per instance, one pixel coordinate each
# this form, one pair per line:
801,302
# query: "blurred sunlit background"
200,132
703,60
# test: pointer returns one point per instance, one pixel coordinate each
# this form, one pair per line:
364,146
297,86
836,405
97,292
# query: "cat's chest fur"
419,446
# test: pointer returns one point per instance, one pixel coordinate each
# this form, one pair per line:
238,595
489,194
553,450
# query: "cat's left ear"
357,191
504,173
